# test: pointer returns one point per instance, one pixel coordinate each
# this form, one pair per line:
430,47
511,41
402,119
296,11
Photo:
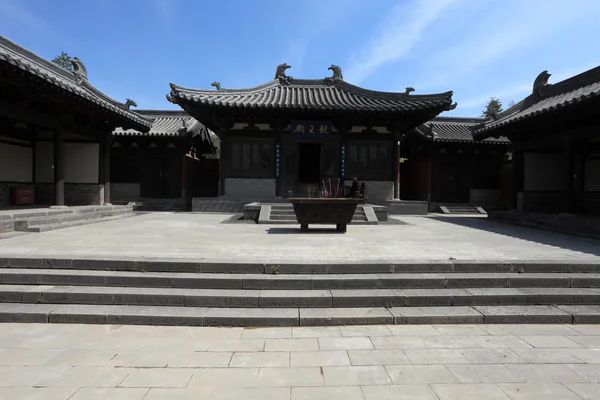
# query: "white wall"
543,172
592,175
16,163
81,162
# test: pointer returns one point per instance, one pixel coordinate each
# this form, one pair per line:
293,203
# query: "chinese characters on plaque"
311,128
277,160
343,162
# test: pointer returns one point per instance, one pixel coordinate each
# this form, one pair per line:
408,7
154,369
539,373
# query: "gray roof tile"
29,62
167,123
575,90
453,129
312,94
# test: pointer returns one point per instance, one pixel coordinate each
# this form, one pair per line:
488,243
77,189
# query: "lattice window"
246,156
369,161
251,156
236,150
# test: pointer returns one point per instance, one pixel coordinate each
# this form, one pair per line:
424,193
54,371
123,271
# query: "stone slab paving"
194,236
379,362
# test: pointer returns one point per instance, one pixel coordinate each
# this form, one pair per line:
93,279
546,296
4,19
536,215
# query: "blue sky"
477,48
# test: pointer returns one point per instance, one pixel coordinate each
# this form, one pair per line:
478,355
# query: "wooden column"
185,148
396,165
223,160
105,146
518,175
568,176
59,168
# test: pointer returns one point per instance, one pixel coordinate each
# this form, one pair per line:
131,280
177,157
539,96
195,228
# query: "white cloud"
510,27
164,9
514,92
400,32
519,91
18,13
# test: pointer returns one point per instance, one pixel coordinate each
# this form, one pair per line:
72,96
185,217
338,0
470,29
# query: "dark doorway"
309,159
160,182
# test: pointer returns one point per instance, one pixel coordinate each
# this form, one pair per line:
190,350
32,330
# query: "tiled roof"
167,123
312,95
29,62
545,99
453,129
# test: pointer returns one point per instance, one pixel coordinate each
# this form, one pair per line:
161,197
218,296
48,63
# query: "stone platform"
191,269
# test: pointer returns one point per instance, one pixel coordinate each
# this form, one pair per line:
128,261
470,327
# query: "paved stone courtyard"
203,237
424,362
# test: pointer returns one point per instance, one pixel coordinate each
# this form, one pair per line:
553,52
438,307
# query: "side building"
55,131
166,163
442,164
288,136
555,132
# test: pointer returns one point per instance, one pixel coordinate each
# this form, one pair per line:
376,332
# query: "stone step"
87,221
50,294
24,276
342,268
24,224
202,316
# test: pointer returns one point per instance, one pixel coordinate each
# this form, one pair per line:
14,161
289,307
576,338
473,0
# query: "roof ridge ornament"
216,84
80,70
337,72
129,103
540,85
280,73
408,90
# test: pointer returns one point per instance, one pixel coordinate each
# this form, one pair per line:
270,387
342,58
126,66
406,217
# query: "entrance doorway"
309,160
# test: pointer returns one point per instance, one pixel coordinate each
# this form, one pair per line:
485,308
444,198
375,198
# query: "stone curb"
168,265
200,316
338,299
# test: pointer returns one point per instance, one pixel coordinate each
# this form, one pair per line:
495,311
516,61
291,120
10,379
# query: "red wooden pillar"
59,168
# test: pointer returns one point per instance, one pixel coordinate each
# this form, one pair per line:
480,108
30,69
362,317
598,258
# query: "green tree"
494,106
64,61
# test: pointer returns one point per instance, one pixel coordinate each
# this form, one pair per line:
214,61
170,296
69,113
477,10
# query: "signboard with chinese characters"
277,160
311,128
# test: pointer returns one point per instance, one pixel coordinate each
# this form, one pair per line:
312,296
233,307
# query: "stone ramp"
461,209
159,292
47,219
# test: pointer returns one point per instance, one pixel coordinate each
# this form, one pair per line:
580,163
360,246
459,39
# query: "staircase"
43,220
178,204
461,209
237,294
281,213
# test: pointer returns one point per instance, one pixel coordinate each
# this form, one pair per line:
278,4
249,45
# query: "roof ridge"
340,84
51,72
33,57
457,119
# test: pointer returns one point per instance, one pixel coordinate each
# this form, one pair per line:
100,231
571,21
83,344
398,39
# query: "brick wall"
79,194
591,202
250,188
123,193
4,194
484,197
545,202
379,192
5,191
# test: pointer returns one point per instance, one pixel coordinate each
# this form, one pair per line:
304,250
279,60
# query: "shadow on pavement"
549,238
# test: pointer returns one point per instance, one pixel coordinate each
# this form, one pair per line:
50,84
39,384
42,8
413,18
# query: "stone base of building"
76,194
571,224
407,207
